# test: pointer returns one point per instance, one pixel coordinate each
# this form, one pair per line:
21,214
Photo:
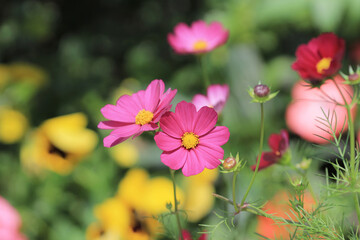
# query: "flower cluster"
189,138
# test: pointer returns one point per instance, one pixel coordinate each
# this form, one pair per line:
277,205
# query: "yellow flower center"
323,65
200,45
143,117
189,140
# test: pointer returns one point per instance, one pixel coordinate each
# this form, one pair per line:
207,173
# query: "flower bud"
229,163
261,90
354,77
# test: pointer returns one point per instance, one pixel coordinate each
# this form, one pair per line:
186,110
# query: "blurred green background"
85,54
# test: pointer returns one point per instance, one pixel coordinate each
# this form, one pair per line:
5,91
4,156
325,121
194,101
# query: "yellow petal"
206,176
114,215
69,134
158,193
132,186
199,200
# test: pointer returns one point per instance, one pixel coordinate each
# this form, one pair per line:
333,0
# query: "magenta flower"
10,222
199,38
132,115
190,140
279,144
217,95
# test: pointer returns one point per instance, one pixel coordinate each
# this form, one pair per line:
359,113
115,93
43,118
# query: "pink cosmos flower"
279,144
10,222
216,98
132,115
187,235
199,38
190,140
309,105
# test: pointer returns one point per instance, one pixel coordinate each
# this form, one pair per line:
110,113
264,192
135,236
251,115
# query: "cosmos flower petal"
112,140
267,159
193,164
186,113
129,104
144,128
175,159
114,113
152,95
212,154
111,124
171,124
200,101
205,121
218,136
218,94
186,235
166,142
164,104
126,130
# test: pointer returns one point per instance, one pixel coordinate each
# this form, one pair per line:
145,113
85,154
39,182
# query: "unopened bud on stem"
261,90
229,163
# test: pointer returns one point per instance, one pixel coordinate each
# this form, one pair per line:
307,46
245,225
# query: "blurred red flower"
279,143
320,58
187,235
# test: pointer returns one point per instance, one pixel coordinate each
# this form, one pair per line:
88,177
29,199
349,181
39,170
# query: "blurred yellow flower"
143,197
125,154
13,125
25,72
198,190
59,144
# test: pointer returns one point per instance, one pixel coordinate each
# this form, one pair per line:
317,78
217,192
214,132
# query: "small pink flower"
187,235
190,140
10,222
217,95
199,38
279,144
132,115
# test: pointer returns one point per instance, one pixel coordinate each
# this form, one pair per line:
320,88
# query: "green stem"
175,203
351,130
234,192
204,72
259,156
357,206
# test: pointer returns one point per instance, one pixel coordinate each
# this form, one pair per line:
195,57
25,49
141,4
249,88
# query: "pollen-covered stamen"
144,117
200,45
189,140
323,65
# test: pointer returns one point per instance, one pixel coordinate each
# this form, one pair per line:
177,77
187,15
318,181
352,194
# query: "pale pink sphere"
10,222
304,113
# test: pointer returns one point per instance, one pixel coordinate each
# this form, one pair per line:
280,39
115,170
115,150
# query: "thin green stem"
234,192
172,172
262,127
352,134
206,80
351,130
